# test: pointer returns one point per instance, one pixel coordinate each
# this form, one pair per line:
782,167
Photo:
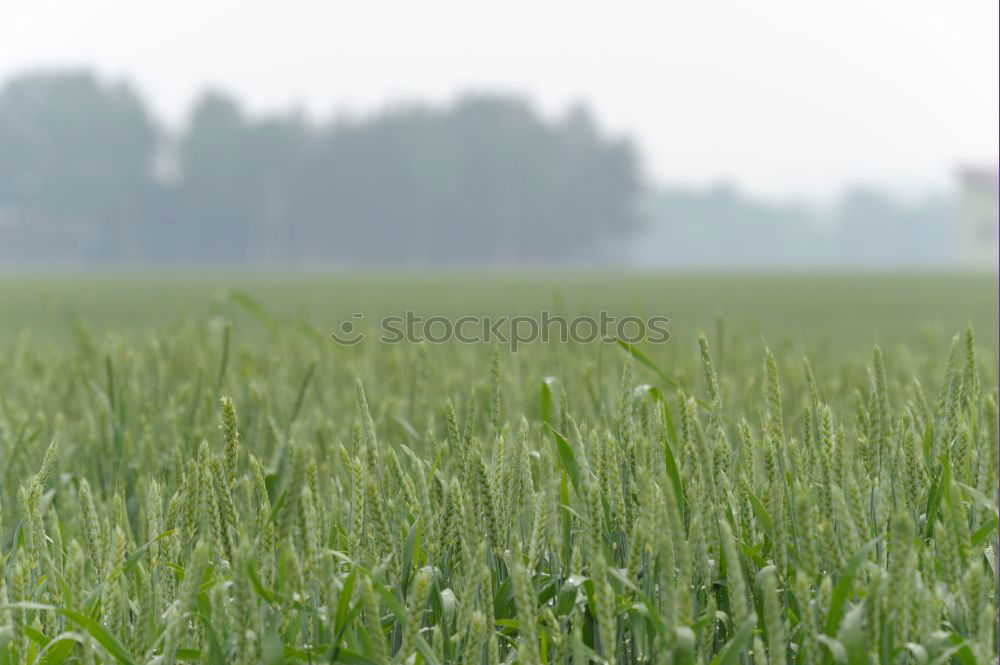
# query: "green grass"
457,504
809,307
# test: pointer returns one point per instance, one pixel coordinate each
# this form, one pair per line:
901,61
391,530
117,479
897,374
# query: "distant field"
816,308
832,318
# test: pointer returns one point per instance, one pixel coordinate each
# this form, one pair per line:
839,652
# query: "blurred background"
663,135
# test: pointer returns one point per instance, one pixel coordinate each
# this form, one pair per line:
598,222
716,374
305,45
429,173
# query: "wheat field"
229,486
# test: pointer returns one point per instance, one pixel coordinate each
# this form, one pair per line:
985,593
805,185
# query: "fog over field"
467,333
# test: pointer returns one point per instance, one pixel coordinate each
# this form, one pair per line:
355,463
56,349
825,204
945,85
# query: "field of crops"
805,473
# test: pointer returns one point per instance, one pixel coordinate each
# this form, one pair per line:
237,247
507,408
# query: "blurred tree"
721,226
237,184
86,177
875,228
75,168
486,180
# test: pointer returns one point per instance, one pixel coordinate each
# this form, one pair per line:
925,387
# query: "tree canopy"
86,173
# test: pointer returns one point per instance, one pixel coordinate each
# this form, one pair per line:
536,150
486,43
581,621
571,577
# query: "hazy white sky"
782,97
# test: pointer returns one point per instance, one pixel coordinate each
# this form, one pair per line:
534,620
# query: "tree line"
88,175
864,226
